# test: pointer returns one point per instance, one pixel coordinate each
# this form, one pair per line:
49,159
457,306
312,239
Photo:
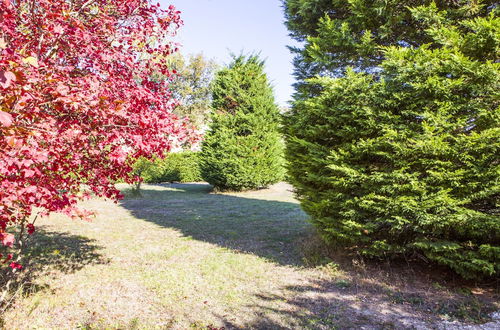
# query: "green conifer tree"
399,155
243,149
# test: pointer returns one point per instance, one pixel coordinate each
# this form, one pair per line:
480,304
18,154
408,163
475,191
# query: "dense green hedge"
407,161
243,148
175,167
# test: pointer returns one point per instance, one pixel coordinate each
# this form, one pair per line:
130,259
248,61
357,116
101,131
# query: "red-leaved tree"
78,102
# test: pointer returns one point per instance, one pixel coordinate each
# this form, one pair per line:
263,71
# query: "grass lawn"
181,257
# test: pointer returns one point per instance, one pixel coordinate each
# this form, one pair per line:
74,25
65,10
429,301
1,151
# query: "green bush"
243,149
181,167
406,161
175,167
148,170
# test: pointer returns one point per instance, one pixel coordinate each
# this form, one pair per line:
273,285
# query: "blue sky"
218,27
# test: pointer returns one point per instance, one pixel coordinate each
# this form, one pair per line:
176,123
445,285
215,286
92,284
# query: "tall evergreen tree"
393,147
337,34
243,149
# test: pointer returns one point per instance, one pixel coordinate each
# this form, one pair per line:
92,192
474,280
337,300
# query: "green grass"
179,256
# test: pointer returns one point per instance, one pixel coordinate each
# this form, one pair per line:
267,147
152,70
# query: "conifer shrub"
242,149
149,170
406,161
181,167
175,167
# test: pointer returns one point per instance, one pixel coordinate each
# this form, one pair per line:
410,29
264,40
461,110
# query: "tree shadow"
48,253
328,304
360,296
318,306
64,252
267,228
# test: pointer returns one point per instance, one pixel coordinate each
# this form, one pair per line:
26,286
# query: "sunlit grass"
179,256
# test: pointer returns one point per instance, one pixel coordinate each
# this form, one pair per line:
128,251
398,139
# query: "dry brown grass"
181,257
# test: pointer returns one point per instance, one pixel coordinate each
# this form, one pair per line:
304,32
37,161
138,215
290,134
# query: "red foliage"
78,100
15,265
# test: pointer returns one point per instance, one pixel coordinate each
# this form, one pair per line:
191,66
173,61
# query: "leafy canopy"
77,100
191,86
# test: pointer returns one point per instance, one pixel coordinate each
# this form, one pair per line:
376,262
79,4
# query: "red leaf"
29,173
14,143
31,228
8,240
6,78
5,118
15,265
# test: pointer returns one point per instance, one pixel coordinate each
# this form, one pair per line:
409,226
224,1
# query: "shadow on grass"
61,251
318,305
275,230
331,304
48,253
266,228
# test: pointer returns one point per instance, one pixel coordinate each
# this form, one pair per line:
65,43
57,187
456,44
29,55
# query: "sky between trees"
218,27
